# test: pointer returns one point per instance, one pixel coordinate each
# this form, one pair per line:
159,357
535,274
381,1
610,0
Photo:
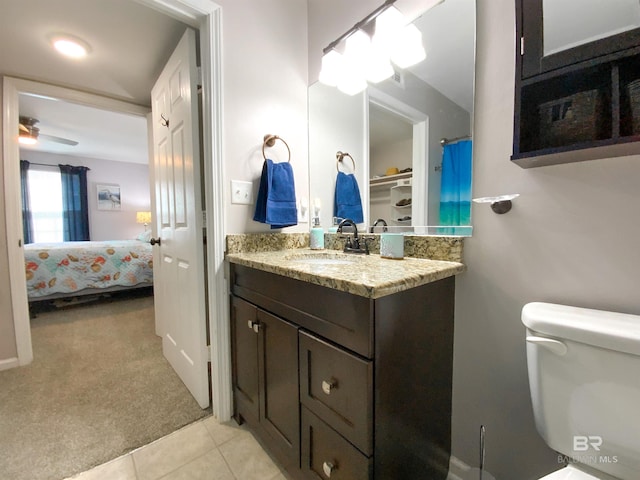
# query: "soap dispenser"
316,237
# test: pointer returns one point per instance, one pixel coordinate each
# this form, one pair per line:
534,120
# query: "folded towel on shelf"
276,203
347,202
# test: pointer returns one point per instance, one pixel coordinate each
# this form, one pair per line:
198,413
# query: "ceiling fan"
29,133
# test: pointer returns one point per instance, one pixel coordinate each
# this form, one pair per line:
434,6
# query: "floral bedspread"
65,268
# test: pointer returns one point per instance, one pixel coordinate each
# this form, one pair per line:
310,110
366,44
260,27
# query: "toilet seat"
571,473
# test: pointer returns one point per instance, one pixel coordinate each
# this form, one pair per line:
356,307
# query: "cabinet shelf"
570,107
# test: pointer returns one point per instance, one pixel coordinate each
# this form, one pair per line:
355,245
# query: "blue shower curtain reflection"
455,187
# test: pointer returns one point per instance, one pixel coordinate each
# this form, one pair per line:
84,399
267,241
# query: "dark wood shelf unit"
575,105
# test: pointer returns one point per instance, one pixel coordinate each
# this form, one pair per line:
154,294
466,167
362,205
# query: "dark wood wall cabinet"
580,103
341,386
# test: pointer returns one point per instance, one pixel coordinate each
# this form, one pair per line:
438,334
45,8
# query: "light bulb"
356,53
351,80
389,22
331,66
70,46
407,47
27,140
378,66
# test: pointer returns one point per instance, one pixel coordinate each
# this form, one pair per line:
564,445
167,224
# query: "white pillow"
144,236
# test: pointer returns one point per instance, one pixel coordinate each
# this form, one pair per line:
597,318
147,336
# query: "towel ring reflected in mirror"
270,141
340,157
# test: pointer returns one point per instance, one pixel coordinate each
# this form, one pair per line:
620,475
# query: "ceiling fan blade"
23,128
64,141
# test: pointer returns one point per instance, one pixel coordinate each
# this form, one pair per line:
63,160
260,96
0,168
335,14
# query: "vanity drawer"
338,387
325,454
339,316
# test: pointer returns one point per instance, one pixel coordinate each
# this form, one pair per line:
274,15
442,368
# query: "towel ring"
340,156
270,141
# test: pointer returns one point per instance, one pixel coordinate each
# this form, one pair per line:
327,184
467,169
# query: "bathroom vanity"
342,364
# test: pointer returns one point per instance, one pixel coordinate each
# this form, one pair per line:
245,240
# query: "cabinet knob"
327,468
327,386
255,326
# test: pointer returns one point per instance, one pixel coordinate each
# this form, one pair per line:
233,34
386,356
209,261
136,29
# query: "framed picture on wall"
108,197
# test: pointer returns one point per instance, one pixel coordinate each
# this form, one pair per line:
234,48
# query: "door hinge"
204,219
521,45
199,75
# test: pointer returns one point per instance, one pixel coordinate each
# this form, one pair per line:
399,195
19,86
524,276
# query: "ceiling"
448,33
130,43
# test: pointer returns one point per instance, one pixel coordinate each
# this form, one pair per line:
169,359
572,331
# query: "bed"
56,270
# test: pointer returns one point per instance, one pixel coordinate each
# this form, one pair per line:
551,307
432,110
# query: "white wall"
265,91
133,179
8,347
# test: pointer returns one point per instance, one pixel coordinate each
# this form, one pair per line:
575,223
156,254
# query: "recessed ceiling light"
70,46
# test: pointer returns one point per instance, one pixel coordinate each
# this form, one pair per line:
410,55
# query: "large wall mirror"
399,131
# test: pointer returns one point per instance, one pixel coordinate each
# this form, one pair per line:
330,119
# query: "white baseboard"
9,363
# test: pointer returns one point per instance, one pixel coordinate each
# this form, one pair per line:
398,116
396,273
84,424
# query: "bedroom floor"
99,387
206,449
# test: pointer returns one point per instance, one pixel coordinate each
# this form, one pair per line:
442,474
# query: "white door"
179,263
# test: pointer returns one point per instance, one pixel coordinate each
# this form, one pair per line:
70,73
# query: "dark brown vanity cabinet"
265,374
342,386
576,98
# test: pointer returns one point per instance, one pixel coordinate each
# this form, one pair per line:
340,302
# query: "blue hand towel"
276,203
347,202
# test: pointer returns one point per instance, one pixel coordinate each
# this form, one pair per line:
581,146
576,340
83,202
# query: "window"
45,197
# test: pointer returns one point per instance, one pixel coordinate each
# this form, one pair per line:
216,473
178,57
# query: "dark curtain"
75,204
27,217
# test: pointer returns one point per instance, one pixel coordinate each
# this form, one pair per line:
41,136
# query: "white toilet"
584,375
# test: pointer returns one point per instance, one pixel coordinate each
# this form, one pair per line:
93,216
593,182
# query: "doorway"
399,161
206,17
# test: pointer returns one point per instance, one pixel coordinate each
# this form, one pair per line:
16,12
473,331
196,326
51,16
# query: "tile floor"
205,450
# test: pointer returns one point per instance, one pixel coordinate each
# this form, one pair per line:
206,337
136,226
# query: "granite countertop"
366,275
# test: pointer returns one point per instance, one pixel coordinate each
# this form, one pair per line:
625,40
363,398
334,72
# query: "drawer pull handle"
327,468
328,386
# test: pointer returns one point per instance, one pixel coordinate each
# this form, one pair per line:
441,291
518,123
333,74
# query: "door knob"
155,241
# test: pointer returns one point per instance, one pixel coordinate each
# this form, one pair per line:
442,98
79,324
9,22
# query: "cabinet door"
244,351
572,36
279,405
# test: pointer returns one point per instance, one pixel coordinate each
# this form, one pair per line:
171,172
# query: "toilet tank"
584,376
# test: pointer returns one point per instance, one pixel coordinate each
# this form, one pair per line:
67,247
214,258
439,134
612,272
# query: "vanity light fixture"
369,49
70,46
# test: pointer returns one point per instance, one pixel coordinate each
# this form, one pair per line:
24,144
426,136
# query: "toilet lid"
570,473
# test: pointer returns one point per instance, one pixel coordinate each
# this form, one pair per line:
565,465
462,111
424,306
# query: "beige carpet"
98,387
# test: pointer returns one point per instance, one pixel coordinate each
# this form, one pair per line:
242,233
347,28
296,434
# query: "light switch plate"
241,192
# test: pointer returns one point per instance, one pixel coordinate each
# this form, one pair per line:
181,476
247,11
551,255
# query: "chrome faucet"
349,246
